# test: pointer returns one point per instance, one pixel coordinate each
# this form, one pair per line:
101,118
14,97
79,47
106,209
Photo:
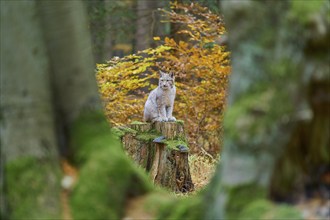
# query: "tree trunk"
25,98
108,35
154,148
99,16
147,23
69,78
42,82
97,25
270,129
28,139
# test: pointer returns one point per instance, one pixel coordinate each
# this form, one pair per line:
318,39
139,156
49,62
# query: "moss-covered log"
161,149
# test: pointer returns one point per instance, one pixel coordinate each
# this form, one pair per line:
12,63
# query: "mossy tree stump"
161,149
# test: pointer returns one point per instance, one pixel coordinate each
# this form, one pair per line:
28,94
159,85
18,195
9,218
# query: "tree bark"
142,36
100,16
41,85
62,28
26,100
166,164
108,36
147,23
267,157
96,11
28,138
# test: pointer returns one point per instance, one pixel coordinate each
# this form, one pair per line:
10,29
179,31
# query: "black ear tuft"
171,74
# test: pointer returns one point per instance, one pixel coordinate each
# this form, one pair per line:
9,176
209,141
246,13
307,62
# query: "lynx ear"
171,74
161,73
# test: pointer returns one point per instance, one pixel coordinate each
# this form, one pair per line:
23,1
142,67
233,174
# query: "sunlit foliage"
201,68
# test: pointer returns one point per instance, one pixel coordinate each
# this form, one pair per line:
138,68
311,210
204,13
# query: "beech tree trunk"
46,66
100,26
147,23
166,164
28,138
282,135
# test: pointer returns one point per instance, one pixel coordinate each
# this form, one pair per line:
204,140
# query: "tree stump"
161,149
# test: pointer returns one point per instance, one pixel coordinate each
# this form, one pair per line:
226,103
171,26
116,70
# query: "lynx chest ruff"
166,98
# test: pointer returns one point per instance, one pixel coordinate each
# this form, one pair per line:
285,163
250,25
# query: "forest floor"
202,168
70,176
316,208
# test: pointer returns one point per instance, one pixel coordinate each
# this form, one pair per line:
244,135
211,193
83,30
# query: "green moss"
121,131
118,132
241,196
181,122
183,208
148,136
304,9
264,209
156,200
236,113
138,123
33,189
104,182
172,144
89,129
286,212
257,209
106,175
240,118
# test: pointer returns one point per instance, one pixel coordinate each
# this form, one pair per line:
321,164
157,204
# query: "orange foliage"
201,67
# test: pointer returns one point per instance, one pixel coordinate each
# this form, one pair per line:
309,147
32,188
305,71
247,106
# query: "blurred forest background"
125,27
177,38
60,160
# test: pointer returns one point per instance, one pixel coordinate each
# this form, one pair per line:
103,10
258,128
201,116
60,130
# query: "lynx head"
166,80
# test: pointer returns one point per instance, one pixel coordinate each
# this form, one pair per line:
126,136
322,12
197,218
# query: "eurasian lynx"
159,105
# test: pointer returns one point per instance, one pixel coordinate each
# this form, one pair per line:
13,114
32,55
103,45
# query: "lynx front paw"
171,119
160,119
